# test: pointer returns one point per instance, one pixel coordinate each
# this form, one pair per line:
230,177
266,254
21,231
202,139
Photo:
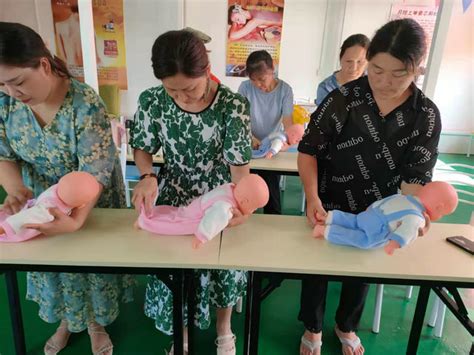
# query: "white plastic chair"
438,311
448,173
378,305
436,321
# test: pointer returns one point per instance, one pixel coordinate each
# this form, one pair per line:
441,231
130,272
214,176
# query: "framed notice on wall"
252,26
425,16
67,34
110,42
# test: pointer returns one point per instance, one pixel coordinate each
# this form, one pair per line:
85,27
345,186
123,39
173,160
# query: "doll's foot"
58,340
100,340
135,225
318,231
311,343
196,243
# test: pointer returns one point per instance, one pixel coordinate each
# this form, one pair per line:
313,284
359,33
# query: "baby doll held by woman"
392,222
73,190
208,214
275,142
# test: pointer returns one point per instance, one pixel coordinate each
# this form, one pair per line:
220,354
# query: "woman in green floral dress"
204,131
51,125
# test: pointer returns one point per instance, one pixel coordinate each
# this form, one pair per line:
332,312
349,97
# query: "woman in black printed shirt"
367,140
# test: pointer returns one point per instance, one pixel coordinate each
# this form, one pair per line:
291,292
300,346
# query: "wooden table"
108,243
284,163
283,244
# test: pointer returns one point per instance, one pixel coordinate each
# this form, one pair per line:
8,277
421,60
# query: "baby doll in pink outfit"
73,190
209,214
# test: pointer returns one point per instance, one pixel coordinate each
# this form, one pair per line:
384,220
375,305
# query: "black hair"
258,62
179,52
403,39
358,39
20,46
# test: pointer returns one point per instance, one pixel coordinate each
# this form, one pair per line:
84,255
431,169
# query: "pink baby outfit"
205,217
35,211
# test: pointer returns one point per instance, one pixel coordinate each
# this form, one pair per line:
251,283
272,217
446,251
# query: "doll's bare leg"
2,231
391,246
58,340
318,231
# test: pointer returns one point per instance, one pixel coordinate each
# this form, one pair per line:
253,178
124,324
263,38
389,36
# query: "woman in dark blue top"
371,138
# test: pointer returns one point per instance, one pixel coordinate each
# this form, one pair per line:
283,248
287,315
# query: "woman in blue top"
353,64
50,125
271,109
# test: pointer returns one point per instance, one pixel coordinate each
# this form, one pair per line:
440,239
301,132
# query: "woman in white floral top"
204,131
50,125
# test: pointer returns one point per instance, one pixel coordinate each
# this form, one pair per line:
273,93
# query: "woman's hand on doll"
145,194
426,228
237,218
315,211
255,143
16,199
61,224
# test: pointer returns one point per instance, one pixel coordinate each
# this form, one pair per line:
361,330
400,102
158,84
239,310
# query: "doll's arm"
391,246
407,230
275,147
214,221
35,214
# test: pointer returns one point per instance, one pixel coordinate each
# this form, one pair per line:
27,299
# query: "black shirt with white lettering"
363,156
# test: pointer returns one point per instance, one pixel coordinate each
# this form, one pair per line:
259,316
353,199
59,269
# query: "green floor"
133,333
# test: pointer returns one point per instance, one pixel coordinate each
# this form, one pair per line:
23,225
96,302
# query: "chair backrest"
449,173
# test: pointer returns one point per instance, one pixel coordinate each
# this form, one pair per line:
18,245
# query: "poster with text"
426,17
67,34
110,42
252,26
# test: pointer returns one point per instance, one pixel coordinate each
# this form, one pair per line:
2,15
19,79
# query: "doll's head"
294,133
251,192
77,188
439,199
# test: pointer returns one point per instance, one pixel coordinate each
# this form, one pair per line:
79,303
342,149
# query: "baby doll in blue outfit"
392,222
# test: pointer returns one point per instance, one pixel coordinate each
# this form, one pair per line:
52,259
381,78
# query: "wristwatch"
148,175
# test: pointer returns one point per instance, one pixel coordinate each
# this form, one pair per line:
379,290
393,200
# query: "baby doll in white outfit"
73,190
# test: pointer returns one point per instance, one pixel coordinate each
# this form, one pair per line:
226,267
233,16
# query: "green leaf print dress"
198,149
79,138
